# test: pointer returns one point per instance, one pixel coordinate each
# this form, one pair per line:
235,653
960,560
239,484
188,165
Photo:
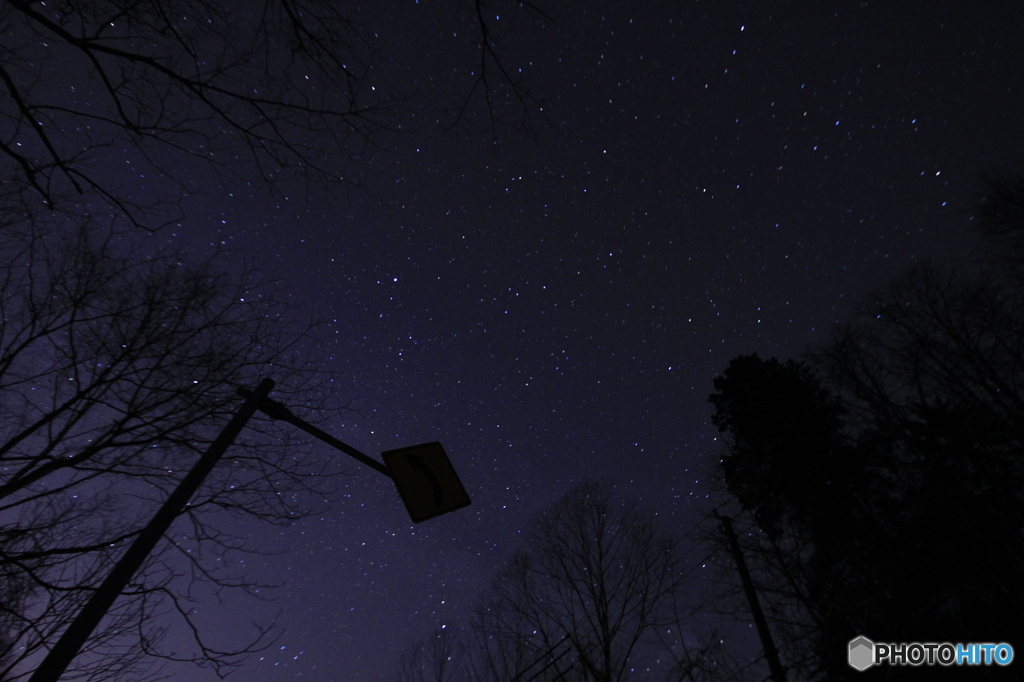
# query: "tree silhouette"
1000,215
595,579
438,658
597,593
116,370
786,454
873,476
932,373
256,92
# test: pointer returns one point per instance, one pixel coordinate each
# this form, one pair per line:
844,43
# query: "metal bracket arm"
276,410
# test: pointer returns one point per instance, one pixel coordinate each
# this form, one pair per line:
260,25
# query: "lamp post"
416,468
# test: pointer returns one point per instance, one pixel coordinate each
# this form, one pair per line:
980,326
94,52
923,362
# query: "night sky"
706,179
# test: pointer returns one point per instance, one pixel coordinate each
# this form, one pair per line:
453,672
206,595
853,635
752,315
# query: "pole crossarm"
280,412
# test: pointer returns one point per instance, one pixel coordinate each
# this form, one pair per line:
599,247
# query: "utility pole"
778,674
67,647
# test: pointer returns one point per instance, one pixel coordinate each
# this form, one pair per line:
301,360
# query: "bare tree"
910,432
596,577
599,593
257,92
1000,217
933,372
438,658
116,370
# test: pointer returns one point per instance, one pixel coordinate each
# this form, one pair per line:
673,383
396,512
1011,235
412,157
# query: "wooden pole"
778,674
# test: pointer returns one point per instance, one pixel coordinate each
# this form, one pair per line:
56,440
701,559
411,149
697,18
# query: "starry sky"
706,179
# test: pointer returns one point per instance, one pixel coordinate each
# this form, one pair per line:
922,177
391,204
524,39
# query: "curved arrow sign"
426,480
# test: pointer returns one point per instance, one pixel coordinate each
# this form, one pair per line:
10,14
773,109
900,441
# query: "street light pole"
69,644
418,464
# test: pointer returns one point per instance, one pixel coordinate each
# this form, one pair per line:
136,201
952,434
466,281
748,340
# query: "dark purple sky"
715,178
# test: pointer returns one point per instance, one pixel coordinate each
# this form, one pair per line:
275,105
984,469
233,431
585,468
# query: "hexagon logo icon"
862,653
